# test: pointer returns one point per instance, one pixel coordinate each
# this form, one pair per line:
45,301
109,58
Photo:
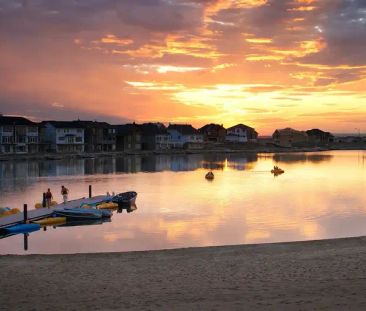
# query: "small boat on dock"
51,221
108,205
6,211
79,213
125,198
21,228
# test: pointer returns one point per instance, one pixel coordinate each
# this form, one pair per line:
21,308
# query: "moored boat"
79,213
125,198
51,221
210,175
277,171
107,205
21,228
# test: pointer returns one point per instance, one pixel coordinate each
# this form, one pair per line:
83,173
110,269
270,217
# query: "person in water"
64,193
49,197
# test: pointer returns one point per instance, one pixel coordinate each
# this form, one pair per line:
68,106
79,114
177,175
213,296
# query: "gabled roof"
63,124
211,127
242,126
11,120
125,129
93,124
315,132
153,129
288,131
184,129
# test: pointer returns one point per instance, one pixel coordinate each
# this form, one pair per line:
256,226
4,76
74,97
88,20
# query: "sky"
265,63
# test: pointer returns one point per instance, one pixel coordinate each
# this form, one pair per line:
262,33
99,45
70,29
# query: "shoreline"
306,275
261,149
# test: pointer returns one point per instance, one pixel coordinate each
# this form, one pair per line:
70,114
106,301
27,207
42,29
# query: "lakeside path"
315,275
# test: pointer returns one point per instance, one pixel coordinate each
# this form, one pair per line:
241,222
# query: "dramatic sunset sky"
266,63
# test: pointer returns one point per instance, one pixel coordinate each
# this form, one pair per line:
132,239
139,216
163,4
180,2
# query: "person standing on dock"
64,193
49,197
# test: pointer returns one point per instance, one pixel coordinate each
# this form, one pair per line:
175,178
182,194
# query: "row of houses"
20,135
289,137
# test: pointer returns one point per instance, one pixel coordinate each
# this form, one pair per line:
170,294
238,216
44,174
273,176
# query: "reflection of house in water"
16,175
186,162
301,157
130,164
233,161
66,167
241,162
100,166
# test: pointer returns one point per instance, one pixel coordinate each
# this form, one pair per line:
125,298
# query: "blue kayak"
22,228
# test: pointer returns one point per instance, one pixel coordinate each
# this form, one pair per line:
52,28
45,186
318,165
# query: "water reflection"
69,223
314,199
302,157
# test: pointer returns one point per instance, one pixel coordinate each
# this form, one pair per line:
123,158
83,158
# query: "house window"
78,139
32,129
7,129
32,139
7,139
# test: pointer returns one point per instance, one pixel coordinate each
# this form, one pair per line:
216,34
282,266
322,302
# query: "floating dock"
40,213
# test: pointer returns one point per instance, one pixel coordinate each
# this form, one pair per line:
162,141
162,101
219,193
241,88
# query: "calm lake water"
321,195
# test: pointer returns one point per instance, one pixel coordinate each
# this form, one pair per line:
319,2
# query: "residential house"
213,132
62,136
98,136
154,136
18,135
128,137
184,136
319,137
289,137
241,133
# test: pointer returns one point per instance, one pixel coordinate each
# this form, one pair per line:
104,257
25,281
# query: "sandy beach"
315,275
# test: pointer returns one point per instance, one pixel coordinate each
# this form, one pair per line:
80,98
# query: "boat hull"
21,228
79,213
125,198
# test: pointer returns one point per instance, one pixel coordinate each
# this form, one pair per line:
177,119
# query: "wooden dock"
40,213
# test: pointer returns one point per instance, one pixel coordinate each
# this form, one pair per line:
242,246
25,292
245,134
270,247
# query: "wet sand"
316,275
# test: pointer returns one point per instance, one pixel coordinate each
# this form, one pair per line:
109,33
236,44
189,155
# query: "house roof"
211,127
125,129
184,129
11,120
93,124
288,131
315,132
153,129
63,124
242,126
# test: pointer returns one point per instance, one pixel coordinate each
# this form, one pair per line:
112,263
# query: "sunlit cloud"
192,61
152,86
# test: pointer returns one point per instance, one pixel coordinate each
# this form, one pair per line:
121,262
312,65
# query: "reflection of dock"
46,212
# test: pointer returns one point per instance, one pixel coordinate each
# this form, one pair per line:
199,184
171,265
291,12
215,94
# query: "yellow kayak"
8,211
39,205
109,205
51,221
